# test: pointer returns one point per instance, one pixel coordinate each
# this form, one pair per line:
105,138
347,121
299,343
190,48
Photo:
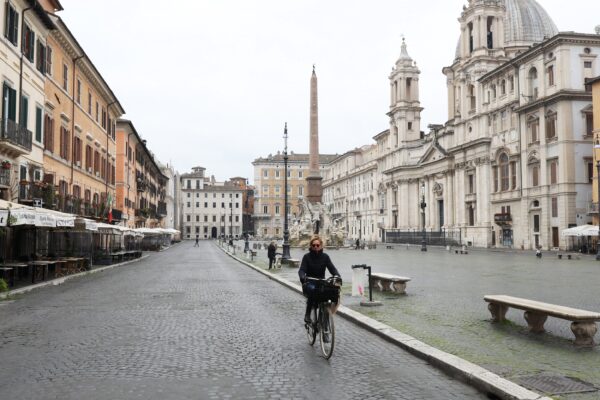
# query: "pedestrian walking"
197,244
357,244
271,254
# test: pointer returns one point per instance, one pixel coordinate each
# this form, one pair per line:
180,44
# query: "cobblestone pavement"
444,305
192,323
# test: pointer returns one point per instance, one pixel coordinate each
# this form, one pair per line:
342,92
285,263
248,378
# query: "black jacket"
271,251
314,264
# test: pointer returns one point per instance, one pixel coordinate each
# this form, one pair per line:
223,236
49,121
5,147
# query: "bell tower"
405,107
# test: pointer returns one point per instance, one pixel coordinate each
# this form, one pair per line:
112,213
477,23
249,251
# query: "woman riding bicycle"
313,265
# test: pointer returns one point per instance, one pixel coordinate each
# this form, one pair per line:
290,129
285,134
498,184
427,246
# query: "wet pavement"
193,323
444,305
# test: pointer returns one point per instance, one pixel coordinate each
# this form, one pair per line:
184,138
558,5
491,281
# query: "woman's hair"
318,238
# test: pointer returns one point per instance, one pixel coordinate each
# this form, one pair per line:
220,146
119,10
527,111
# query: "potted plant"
6,164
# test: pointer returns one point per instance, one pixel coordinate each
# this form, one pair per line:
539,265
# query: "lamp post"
423,205
598,209
231,219
286,233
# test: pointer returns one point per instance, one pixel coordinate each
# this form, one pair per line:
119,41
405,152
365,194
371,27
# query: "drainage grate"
552,384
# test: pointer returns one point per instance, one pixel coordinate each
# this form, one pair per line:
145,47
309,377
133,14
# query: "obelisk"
313,180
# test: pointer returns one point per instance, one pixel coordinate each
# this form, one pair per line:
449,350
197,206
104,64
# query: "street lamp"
286,233
598,209
423,205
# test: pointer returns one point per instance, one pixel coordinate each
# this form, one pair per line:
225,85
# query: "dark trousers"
271,262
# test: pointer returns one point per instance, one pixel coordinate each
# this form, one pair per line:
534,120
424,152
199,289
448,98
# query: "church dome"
525,22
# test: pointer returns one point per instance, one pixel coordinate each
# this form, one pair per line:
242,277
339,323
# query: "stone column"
314,180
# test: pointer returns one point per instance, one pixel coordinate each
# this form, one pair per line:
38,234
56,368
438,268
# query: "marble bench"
389,283
583,323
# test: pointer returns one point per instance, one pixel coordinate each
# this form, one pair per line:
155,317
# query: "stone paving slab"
193,323
455,366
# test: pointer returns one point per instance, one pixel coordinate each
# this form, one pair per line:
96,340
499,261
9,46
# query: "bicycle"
326,294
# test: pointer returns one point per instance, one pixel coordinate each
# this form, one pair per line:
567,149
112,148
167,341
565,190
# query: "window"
24,112
533,127
197,218
554,207
97,112
265,209
77,146
96,162
265,173
300,190
300,174
276,173
471,180
550,74
470,32
504,171
493,92
553,172
533,83
589,124
11,26
28,43
39,123
410,126
513,175
49,60
88,158
551,126
502,87
40,60
49,134
590,170
206,218
276,209
535,175
472,97
205,204
64,143
78,95
495,173
89,109
188,217
65,77
471,210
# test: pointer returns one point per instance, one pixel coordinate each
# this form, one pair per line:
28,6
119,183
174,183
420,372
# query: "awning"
581,230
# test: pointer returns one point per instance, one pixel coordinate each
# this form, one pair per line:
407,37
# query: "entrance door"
507,237
213,232
554,236
441,213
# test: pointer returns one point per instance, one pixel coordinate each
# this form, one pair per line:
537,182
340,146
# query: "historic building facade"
594,84
210,209
512,166
79,130
23,68
350,190
141,184
269,191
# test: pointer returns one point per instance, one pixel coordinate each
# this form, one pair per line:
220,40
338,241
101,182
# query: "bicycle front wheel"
327,331
311,331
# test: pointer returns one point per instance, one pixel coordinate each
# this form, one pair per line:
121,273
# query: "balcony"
14,139
261,216
31,192
503,219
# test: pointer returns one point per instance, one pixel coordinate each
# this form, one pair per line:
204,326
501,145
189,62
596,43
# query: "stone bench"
292,262
389,283
583,323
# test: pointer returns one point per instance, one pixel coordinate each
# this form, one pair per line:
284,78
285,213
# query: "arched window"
504,171
533,83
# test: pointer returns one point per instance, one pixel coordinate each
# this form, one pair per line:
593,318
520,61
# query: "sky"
211,83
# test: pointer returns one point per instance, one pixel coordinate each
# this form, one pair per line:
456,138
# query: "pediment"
432,154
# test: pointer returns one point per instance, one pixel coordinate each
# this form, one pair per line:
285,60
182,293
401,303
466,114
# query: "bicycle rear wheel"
311,332
327,331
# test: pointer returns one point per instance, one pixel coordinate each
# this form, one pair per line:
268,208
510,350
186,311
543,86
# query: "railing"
13,133
29,191
502,218
435,238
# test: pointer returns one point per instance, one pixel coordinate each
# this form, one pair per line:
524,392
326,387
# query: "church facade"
512,166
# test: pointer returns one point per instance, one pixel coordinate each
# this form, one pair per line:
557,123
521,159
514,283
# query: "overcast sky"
211,82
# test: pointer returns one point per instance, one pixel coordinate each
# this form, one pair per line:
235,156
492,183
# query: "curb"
59,281
470,373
